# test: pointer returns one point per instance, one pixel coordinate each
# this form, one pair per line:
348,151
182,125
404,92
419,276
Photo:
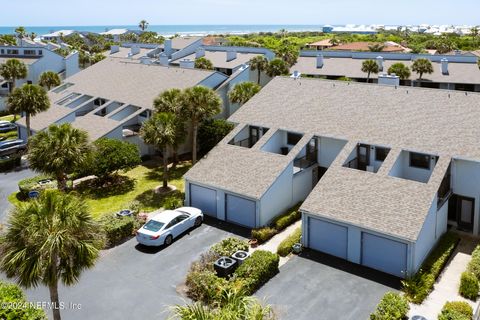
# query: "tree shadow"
156,173
102,189
155,200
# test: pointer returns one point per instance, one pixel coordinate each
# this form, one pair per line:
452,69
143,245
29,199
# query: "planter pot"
297,248
253,243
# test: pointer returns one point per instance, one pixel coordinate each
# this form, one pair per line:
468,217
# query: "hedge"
474,264
468,286
11,293
393,306
418,286
229,246
256,270
10,164
285,247
31,184
456,310
117,229
278,224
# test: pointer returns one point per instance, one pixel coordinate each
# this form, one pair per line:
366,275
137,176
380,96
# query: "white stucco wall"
428,236
302,185
328,149
402,169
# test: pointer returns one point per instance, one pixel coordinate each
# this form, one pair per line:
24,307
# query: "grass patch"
11,135
138,185
9,117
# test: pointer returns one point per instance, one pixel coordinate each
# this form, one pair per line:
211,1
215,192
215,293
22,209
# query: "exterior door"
363,156
254,135
312,150
328,237
465,212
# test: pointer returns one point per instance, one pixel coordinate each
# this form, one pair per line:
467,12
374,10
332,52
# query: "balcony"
248,136
282,142
366,157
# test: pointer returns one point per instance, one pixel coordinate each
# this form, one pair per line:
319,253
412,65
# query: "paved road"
317,286
8,185
130,282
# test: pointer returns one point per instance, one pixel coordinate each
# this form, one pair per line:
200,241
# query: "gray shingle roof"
348,67
219,59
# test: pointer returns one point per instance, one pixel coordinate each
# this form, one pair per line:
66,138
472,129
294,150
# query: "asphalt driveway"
317,286
133,282
8,185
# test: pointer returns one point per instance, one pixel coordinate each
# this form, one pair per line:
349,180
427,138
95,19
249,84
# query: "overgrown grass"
138,185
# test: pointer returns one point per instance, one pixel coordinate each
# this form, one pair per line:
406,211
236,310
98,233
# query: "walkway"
446,287
272,244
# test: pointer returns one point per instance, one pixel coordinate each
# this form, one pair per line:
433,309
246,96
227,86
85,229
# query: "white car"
167,225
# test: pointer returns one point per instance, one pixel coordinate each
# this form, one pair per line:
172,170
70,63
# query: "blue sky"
111,12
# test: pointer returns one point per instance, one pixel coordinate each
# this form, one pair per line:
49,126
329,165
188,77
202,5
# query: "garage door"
240,211
327,237
384,254
204,199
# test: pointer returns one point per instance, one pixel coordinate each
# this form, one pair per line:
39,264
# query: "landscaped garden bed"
419,286
279,223
469,281
286,246
456,310
205,286
393,306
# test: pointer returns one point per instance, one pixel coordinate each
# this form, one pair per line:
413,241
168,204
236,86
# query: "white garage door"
204,199
384,254
240,211
327,237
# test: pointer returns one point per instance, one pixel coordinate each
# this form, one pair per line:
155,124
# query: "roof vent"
444,63
389,80
187,64
163,59
295,75
319,61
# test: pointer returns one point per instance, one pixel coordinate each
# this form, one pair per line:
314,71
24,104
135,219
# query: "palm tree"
400,70
83,58
12,70
21,32
203,63
29,98
51,239
199,103
58,151
422,66
143,25
277,67
242,92
172,101
49,79
370,66
32,36
288,53
376,47
160,131
259,63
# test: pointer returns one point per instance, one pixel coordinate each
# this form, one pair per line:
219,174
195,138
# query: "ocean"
169,30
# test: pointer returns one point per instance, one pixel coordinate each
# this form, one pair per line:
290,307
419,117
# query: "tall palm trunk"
27,122
194,141
62,181
53,288
165,167
259,75
368,77
10,88
175,158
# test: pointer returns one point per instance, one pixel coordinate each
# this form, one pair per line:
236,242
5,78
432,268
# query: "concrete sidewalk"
272,244
446,287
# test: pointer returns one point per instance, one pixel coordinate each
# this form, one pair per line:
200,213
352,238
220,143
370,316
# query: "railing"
243,143
352,163
303,163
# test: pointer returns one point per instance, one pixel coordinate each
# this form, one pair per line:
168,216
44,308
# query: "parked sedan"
10,147
6,126
167,225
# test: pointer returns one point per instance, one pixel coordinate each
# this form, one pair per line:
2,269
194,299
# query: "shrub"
31,184
288,218
229,246
474,264
11,293
204,286
255,271
392,307
263,234
117,229
112,155
10,163
456,310
173,201
418,286
468,286
212,132
285,247
135,206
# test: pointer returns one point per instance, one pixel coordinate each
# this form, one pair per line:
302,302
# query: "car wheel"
198,222
168,240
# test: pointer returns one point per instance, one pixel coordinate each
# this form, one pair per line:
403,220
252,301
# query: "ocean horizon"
168,30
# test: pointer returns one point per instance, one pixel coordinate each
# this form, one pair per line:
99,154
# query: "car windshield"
153,225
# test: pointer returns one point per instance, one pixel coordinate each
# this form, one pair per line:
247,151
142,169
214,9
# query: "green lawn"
8,135
138,185
7,118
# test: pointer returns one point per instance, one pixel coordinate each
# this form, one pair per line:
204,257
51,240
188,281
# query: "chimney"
444,63
114,49
167,47
163,59
231,55
319,61
380,63
134,50
200,53
389,79
187,64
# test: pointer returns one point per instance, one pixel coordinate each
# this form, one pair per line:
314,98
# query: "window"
12,51
293,138
153,225
182,217
29,52
2,51
40,52
172,223
381,154
419,160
